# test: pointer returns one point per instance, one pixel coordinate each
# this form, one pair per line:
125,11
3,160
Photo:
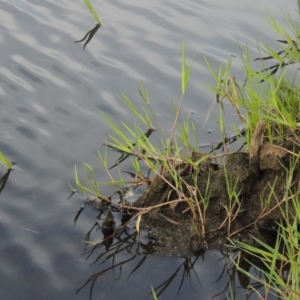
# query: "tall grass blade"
153,294
93,11
185,71
4,160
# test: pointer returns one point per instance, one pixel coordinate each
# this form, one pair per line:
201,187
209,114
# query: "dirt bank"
259,179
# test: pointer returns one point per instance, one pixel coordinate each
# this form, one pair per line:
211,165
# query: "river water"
51,92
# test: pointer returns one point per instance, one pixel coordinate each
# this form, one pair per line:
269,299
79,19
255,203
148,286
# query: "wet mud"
259,178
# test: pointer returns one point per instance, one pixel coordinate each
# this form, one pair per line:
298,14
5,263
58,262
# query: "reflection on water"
123,255
4,179
88,37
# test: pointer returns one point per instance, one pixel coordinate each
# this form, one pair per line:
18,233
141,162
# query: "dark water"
50,94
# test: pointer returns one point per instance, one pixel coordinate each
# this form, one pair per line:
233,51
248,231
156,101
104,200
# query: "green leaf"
5,161
185,71
93,11
153,294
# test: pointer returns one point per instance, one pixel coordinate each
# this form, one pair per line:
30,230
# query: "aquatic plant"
268,106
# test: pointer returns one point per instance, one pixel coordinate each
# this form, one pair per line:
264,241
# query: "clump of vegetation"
250,197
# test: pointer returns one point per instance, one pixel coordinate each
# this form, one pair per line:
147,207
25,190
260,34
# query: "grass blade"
93,11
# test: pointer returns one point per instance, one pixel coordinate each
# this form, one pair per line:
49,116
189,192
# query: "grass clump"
278,262
222,194
135,143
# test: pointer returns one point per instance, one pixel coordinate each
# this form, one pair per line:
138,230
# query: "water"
50,94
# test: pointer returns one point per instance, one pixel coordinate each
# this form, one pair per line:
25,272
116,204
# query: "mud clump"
259,179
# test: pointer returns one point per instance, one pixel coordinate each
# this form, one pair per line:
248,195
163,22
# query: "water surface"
50,94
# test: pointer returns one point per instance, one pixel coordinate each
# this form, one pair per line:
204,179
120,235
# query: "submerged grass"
271,95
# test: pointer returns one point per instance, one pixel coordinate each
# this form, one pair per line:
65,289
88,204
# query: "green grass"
153,294
276,99
93,11
280,264
272,95
4,160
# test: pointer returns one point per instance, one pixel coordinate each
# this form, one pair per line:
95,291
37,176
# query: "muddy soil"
259,177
